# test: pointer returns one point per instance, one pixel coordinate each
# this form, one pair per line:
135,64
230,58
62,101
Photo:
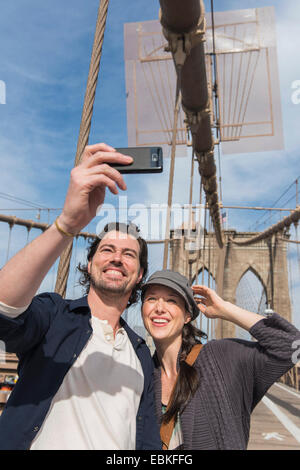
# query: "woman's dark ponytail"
187,379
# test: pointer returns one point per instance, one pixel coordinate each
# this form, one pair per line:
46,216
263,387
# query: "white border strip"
287,423
296,394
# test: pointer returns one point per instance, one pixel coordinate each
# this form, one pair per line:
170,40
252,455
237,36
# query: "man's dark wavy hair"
130,229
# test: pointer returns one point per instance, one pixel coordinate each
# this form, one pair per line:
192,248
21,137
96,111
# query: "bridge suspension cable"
12,220
277,200
285,223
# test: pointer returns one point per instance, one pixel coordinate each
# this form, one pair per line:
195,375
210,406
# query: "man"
85,378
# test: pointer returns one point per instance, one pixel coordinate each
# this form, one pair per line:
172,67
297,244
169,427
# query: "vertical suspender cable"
216,94
85,126
203,259
296,223
213,279
290,274
199,232
9,241
171,176
209,321
75,264
198,241
190,223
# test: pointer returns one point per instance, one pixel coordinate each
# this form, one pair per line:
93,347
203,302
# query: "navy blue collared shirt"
47,338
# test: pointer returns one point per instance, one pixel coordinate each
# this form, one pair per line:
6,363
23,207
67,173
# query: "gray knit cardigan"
234,375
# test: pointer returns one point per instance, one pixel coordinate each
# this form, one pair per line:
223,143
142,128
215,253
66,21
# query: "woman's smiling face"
164,313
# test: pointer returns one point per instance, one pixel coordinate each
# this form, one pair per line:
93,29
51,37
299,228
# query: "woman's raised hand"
209,302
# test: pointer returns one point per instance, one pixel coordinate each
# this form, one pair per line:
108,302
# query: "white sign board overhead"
247,83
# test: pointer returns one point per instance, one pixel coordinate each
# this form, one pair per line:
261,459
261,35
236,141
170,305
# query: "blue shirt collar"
79,303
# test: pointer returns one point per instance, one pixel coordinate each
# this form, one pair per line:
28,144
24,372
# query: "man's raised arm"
21,277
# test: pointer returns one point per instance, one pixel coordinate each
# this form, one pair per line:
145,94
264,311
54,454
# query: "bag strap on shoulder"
166,429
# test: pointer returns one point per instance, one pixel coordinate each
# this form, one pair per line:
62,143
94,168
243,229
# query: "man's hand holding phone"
88,182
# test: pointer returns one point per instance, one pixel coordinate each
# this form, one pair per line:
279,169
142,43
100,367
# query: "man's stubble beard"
100,285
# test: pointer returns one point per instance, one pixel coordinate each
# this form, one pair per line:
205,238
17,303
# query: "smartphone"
145,160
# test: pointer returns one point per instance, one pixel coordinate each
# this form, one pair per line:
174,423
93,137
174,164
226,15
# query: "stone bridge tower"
267,259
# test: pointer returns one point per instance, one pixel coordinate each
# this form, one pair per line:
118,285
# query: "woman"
211,400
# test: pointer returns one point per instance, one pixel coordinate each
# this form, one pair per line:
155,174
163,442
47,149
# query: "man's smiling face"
115,267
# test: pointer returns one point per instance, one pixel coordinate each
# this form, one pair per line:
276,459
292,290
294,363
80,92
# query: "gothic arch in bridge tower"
255,272
268,260
253,286
207,272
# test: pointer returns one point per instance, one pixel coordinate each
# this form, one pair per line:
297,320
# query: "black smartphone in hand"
145,160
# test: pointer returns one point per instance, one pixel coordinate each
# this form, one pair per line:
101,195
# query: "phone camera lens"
154,157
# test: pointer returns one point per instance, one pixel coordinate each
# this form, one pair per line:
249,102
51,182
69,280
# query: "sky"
45,53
